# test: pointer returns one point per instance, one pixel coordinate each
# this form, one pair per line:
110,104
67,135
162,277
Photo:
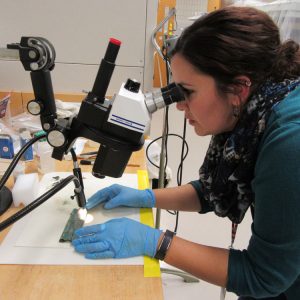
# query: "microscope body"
118,125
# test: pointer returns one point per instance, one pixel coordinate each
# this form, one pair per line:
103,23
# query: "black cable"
166,139
180,170
27,209
168,72
183,156
166,121
77,178
17,158
73,154
89,153
160,137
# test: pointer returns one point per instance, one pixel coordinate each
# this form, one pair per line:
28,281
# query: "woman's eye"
187,93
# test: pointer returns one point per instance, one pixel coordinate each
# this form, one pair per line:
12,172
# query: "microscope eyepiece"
172,93
163,97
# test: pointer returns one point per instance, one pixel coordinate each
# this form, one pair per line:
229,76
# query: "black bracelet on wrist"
164,245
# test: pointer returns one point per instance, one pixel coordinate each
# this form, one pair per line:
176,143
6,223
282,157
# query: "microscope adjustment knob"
132,85
56,138
35,107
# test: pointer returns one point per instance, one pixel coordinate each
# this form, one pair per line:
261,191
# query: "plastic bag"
285,13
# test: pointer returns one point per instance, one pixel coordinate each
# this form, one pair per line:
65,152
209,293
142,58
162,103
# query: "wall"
188,9
79,31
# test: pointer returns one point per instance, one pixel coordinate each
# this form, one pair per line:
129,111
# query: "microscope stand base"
186,277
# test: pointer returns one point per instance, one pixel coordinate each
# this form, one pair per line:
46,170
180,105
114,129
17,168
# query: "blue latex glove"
117,238
119,195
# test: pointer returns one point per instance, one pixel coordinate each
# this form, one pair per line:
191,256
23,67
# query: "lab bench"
77,281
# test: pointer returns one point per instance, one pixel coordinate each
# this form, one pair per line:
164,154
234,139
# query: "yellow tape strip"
151,265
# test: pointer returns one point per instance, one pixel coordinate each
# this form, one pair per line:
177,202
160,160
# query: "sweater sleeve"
205,207
271,263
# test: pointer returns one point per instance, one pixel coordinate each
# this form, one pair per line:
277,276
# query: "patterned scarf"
228,167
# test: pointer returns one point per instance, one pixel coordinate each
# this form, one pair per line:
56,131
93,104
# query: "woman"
241,86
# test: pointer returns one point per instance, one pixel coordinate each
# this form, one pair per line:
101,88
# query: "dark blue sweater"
271,263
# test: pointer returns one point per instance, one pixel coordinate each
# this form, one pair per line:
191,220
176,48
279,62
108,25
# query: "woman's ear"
242,89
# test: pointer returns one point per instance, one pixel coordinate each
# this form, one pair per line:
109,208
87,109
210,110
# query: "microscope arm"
37,56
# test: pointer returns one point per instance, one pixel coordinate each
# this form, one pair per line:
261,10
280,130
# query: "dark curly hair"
237,41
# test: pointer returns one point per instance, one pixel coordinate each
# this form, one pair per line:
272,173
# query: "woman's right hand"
119,195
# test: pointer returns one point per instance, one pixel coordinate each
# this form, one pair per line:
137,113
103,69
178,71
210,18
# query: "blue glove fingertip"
108,205
78,232
88,205
94,200
101,255
80,248
75,242
89,230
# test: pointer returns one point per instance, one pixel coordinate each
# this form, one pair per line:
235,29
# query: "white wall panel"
79,32
65,78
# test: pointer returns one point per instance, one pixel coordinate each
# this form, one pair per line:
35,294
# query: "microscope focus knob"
132,85
56,138
35,107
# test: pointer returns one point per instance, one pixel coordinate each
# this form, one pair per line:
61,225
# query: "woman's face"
204,108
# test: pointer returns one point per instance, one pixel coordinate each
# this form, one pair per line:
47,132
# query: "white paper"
35,238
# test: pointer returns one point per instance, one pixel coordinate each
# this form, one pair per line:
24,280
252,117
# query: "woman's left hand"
117,238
